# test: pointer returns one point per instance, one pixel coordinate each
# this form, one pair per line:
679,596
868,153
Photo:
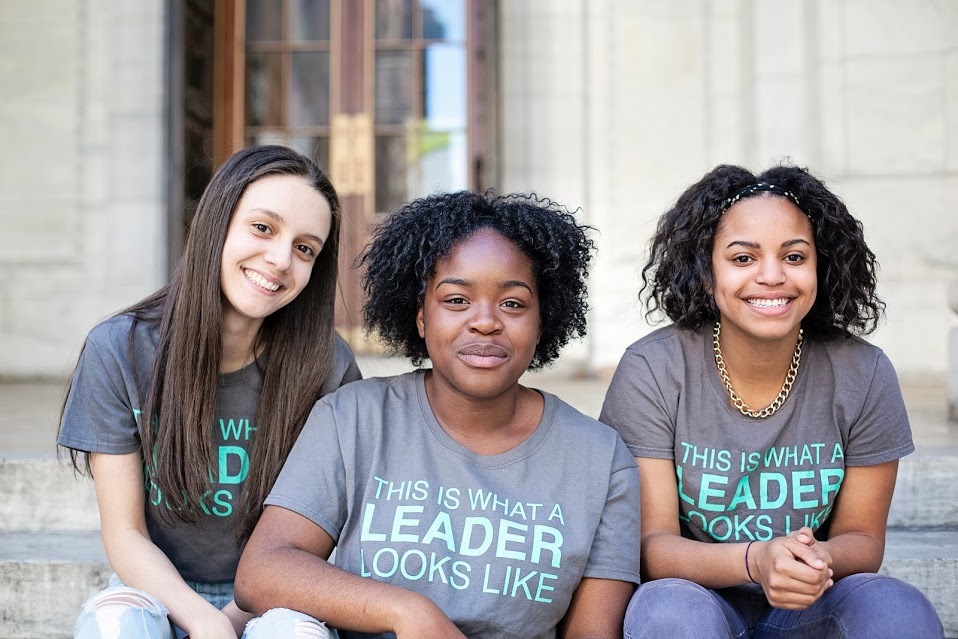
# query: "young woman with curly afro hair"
766,431
459,502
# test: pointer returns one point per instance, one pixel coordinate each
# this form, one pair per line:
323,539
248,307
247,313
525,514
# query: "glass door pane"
288,49
420,99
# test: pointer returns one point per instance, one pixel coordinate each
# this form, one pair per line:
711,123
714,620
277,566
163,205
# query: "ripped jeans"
121,612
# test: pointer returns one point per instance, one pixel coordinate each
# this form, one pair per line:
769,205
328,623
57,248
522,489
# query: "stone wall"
614,107
617,107
81,177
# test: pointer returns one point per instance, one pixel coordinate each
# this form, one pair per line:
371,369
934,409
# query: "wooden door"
394,97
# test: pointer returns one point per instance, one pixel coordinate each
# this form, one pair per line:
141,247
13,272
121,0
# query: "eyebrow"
458,281
281,220
756,245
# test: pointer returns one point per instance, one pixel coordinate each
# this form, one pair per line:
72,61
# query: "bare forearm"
286,577
854,552
718,565
140,564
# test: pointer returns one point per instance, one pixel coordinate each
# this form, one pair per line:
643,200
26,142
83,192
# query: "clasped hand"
794,570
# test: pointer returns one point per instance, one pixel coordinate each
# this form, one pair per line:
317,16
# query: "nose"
280,257
771,273
485,319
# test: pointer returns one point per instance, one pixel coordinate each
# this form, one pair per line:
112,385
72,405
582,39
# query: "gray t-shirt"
498,542
101,416
741,478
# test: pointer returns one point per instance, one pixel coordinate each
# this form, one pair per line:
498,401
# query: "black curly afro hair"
404,250
678,276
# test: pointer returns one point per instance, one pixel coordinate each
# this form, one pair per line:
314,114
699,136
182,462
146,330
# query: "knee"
123,612
673,607
282,623
882,606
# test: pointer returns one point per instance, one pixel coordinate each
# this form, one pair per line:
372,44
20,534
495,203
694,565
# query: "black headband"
758,187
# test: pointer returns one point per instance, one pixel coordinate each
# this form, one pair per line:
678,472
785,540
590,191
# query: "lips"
484,350
768,302
261,281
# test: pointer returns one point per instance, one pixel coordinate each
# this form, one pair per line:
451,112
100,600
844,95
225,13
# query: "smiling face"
764,268
480,317
276,232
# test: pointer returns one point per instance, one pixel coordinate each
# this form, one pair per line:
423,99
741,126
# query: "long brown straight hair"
296,341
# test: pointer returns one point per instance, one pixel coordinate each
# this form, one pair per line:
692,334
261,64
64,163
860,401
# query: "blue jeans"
858,606
121,612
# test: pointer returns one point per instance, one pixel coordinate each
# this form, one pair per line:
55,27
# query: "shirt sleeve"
99,415
882,431
313,479
616,545
636,407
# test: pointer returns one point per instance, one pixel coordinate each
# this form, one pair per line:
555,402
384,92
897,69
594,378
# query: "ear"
421,323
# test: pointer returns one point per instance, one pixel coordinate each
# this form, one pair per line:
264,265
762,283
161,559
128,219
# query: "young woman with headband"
767,433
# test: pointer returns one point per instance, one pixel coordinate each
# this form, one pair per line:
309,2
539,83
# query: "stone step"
45,577
927,559
926,493
46,495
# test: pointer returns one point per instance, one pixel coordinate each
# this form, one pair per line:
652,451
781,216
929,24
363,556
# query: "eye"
306,250
262,228
513,304
795,257
742,259
457,301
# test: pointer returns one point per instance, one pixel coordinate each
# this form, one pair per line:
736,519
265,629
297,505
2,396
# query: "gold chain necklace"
737,401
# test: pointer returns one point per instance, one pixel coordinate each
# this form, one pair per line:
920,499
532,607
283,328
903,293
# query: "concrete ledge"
926,493
927,559
46,495
45,578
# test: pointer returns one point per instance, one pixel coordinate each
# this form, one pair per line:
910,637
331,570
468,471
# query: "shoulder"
111,338
342,353
663,354
343,357
854,361
111,331
343,368
579,432
665,344
365,408
374,393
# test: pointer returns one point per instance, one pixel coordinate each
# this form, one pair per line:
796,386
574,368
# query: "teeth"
261,281
768,303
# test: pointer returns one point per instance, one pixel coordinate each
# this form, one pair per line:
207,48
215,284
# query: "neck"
756,369
750,358
238,341
486,426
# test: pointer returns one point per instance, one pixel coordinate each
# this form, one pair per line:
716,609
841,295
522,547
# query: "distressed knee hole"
309,629
125,598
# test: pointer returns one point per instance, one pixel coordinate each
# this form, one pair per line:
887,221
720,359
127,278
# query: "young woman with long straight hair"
184,406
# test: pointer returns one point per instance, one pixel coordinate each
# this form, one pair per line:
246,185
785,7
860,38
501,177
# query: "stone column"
953,356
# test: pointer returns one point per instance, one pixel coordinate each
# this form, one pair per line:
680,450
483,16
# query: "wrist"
209,621
406,608
752,561
748,559
417,612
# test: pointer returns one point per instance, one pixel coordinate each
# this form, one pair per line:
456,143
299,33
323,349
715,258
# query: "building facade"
114,115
